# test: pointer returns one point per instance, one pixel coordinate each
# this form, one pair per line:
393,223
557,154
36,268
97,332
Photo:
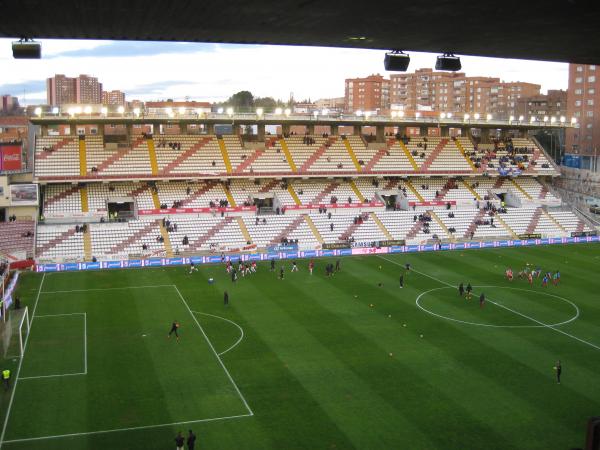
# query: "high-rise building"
8,103
367,94
552,104
88,90
429,90
60,89
583,104
113,98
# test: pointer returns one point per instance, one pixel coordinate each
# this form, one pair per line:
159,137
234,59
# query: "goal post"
14,331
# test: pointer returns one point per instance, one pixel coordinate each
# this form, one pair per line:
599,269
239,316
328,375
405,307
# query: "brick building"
8,103
88,90
84,89
115,97
583,103
552,104
371,93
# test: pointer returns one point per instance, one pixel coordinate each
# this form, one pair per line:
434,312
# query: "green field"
311,362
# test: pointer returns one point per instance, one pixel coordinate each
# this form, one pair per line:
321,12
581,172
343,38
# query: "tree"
241,101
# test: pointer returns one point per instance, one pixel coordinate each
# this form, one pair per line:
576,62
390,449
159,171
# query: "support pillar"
183,128
334,130
503,133
237,130
464,131
402,131
523,133
285,129
128,131
423,130
261,132
485,135
379,133
72,129
101,129
210,128
44,130
310,128
357,130
445,131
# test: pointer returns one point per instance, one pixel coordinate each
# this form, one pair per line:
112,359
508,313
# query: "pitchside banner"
214,259
10,157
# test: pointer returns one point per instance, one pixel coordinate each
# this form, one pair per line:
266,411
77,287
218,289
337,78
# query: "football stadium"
185,274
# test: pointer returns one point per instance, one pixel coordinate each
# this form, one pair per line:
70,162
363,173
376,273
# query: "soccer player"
481,300
226,298
6,379
401,280
179,441
558,369
253,266
193,267
337,265
407,266
281,273
247,269
461,289
545,281
294,267
191,440
272,264
556,278
311,266
174,328
509,274
233,275
537,271
469,291
530,278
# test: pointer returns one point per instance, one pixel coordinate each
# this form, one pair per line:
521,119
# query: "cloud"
18,88
125,49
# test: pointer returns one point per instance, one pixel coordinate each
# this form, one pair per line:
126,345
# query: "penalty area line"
502,306
116,430
226,320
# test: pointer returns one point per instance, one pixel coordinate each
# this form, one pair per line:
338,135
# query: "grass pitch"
311,362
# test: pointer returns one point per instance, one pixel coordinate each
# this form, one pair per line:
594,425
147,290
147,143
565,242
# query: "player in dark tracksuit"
272,264
461,289
401,281
469,290
558,369
226,299
481,300
174,328
281,273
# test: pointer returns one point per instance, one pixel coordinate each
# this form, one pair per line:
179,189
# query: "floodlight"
259,111
442,115
467,116
476,116
121,109
87,109
325,111
71,111
55,110
104,110
394,114
278,111
38,111
367,114
220,111
358,113
563,119
573,120
287,111
448,62
521,118
396,61
26,49
511,118
315,113
400,113
449,115
230,111
78,109
181,110
532,119
545,118
417,114
136,111
552,119
488,117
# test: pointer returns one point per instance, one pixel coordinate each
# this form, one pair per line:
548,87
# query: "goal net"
14,332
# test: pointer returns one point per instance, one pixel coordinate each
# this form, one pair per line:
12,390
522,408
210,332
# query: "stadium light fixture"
259,111
104,111
449,62
396,61
573,120
449,115
78,110
136,111
71,111
545,119
563,119
417,114
400,114
511,118
394,114
442,115
219,110
358,113
466,117
521,118
230,111
55,110
532,119
121,109
488,117
325,112
278,111
181,110
476,116
552,119
169,111
287,112
87,109
38,111
316,114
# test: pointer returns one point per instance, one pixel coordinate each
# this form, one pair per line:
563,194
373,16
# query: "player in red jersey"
311,266
509,274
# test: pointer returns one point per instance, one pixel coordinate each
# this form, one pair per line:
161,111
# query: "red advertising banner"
146,212
10,157
433,203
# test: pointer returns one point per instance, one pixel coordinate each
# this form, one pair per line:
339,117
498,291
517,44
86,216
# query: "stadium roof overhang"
554,31
251,119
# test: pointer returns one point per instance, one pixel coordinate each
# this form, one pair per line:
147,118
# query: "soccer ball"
421,335
211,280
356,296
389,315
404,325
391,354
379,267
371,305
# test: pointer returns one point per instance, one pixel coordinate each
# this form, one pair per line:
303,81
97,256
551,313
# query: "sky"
213,72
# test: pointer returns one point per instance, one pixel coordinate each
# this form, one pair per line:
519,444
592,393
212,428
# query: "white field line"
116,430
551,327
108,289
226,320
14,388
214,351
53,376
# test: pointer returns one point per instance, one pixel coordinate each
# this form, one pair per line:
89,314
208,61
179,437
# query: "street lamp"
325,112
563,119
532,119
552,119
573,120
417,114
449,115
442,115
400,114
358,113
220,111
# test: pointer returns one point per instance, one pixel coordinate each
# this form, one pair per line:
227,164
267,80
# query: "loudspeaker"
448,62
396,61
27,50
